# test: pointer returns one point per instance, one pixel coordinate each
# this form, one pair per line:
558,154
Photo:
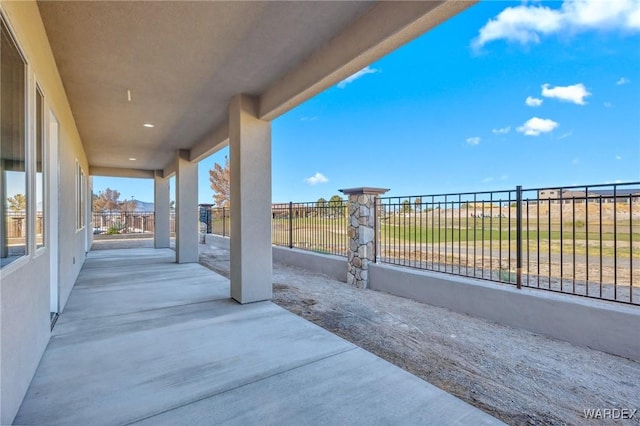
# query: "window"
40,201
80,196
13,151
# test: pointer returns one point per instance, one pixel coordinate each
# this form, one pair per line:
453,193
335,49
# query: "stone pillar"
250,156
162,206
186,209
362,233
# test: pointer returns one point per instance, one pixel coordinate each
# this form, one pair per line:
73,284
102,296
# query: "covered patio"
145,340
147,90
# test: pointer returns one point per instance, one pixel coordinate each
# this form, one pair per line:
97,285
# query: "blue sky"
504,94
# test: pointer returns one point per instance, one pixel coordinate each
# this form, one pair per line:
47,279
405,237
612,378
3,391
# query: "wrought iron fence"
215,220
126,222
318,227
581,240
16,224
311,226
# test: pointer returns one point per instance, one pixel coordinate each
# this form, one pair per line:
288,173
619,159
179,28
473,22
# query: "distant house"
549,196
557,195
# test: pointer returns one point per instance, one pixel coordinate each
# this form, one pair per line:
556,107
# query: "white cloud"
623,80
535,126
504,177
364,71
575,161
526,23
475,140
618,157
502,131
487,180
316,179
608,105
533,102
314,118
575,93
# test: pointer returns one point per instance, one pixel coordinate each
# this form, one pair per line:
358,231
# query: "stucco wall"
25,285
332,266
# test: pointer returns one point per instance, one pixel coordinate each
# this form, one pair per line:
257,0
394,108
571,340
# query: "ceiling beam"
120,172
211,143
379,31
170,169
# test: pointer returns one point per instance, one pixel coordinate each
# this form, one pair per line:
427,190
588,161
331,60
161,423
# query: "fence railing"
580,240
310,226
215,220
16,224
126,222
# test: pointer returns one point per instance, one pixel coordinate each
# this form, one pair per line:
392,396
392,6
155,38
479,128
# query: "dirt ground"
519,377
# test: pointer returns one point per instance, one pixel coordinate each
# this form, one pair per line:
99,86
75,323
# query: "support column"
4,237
186,209
250,156
161,202
362,233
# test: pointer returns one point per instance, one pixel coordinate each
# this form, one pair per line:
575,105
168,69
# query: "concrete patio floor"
144,340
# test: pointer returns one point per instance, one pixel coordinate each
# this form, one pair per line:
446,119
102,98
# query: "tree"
336,205
406,207
17,203
417,204
128,205
219,178
321,205
108,200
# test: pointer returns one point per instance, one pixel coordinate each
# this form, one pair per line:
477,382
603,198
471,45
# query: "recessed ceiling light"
148,125
132,159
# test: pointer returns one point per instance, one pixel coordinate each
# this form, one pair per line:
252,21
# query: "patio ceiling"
182,62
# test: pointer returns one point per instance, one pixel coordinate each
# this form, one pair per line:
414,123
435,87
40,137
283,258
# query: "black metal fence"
215,220
126,222
311,226
318,227
581,240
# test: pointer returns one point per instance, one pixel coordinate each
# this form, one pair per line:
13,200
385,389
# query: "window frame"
44,181
81,188
28,152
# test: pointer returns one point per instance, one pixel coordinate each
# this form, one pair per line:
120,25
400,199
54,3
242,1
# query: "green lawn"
440,235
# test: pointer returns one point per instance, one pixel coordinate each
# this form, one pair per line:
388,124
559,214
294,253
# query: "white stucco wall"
25,284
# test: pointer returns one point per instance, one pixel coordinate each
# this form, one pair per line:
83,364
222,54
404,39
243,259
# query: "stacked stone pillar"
362,233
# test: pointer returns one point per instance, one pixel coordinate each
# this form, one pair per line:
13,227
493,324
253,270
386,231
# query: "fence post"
290,224
224,226
376,229
362,233
519,236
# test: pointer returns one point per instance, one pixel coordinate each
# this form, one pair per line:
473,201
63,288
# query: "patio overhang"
154,87
177,65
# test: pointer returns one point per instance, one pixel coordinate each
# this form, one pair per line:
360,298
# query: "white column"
4,237
250,156
186,209
162,206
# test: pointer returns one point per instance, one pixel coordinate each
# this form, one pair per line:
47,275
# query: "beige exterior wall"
25,284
